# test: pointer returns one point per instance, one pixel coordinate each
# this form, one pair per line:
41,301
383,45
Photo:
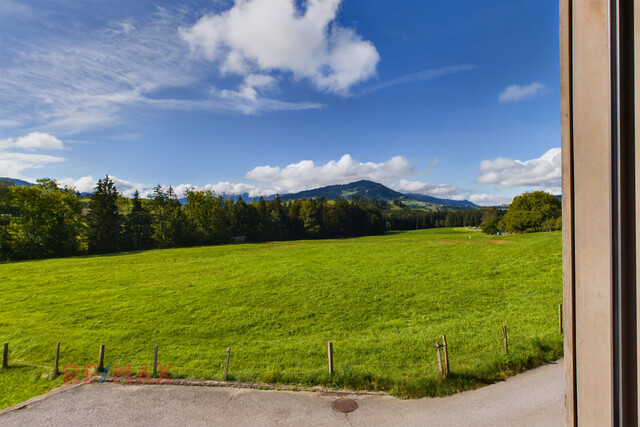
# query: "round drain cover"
345,405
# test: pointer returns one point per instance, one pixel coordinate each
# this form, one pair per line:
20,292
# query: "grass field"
382,301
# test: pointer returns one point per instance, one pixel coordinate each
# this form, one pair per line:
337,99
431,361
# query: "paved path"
533,398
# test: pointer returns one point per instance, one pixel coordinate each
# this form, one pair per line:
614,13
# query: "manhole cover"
345,405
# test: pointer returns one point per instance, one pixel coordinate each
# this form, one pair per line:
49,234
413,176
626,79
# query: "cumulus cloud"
485,199
229,188
544,171
436,190
263,36
12,163
515,93
87,184
305,174
32,141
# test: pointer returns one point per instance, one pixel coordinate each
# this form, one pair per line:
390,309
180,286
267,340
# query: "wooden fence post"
440,371
504,335
226,365
55,366
101,359
446,356
560,319
155,360
5,356
330,356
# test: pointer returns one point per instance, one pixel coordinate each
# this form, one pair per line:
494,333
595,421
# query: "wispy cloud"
516,93
424,75
78,79
434,163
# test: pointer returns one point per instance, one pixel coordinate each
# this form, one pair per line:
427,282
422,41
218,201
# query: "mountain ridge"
363,188
374,190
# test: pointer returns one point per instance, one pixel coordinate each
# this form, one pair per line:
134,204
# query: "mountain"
378,191
358,188
437,201
15,181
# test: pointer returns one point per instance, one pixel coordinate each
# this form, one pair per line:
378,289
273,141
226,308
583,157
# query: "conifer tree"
105,223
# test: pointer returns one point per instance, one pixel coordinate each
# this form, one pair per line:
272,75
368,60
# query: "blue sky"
456,99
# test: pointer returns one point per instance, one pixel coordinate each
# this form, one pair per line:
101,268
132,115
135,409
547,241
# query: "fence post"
226,365
504,335
440,371
446,356
155,360
5,356
55,366
330,356
560,319
101,359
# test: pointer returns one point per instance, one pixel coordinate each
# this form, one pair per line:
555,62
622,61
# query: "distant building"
238,239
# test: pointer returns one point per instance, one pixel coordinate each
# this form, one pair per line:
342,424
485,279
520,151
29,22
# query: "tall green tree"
105,223
171,227
138,229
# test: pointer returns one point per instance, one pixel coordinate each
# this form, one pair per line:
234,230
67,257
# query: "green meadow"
382,301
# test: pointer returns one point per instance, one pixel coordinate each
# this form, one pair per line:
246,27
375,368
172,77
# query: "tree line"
44,220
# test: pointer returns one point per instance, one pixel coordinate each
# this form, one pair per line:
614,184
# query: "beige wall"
586,149
586,102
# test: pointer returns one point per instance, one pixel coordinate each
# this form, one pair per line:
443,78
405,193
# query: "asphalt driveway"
533,398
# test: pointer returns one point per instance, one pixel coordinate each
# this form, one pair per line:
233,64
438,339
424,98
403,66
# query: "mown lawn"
382,301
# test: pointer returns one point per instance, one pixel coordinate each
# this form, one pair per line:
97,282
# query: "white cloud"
32,141
436,190
485,199
230,188
300,176
544,171
12,164
515,93
266,36
295,177
87,184
305,174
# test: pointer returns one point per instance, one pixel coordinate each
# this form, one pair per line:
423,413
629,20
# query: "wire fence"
435,359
